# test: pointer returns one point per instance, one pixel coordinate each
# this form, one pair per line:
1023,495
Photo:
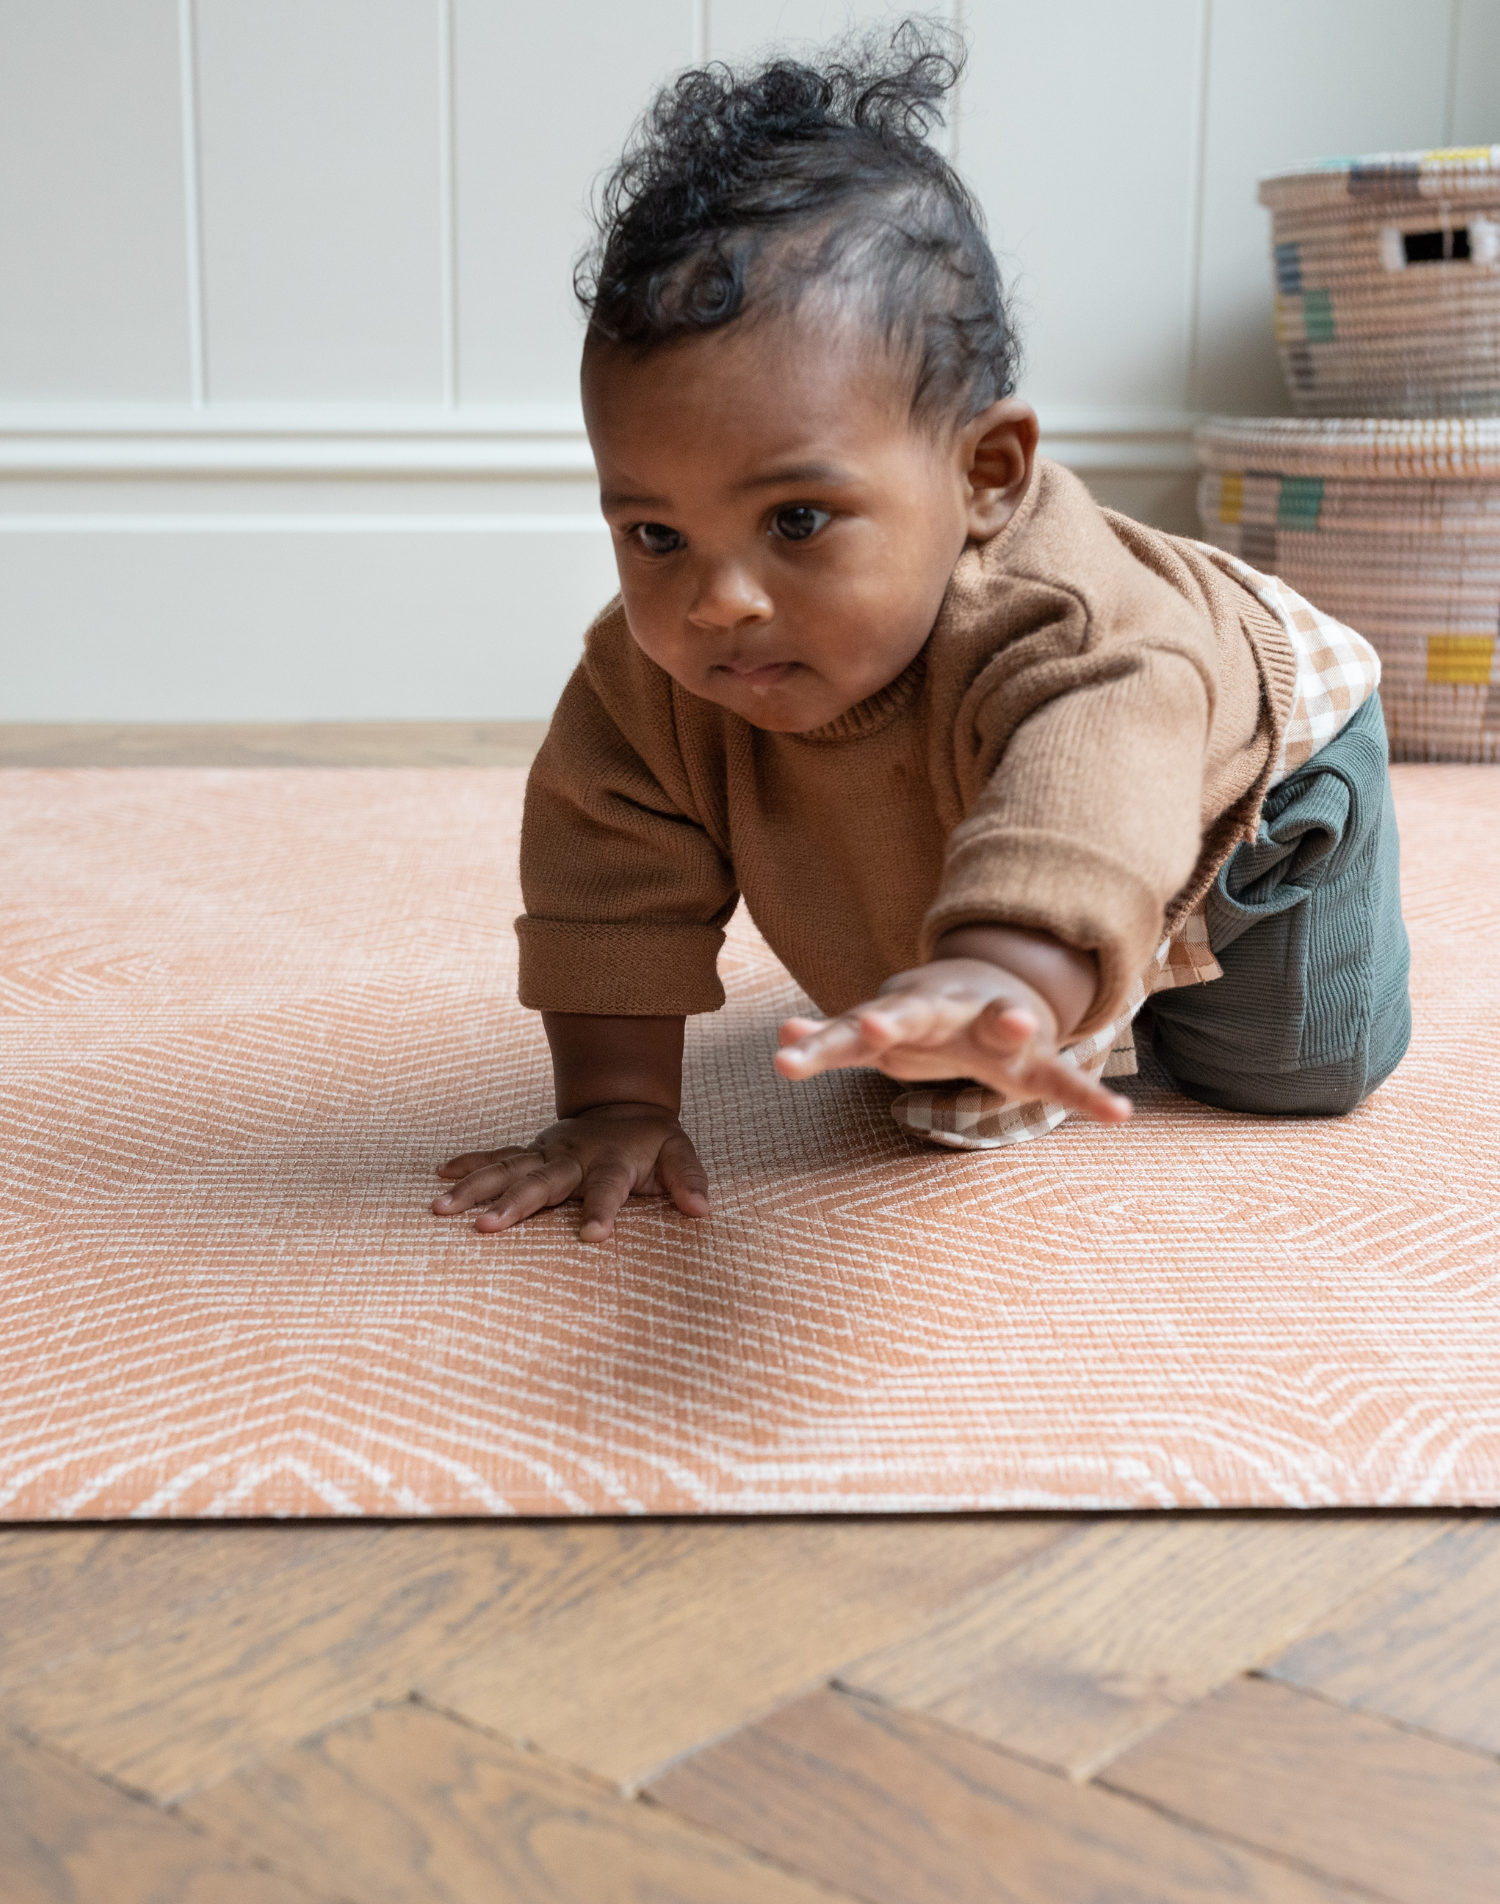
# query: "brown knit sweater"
1085,737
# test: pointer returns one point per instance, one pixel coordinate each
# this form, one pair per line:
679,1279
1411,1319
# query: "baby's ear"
999,449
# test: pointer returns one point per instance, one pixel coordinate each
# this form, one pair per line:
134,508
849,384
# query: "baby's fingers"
492,1171
1004,1029
516,1186
609,1183
682,1176
605,1189
1065,1085
862,1035
529,1189
1007,1033
824,1048
923,1019
470,1161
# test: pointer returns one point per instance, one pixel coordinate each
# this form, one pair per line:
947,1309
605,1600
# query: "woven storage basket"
1388,283
1392,527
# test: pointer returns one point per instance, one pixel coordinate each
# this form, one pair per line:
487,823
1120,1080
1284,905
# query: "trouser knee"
1316,1090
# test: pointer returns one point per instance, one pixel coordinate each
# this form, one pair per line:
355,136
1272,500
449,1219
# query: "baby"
987,762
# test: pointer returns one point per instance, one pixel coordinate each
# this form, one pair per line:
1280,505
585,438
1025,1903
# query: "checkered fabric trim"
1186,958
1337,669
967,1117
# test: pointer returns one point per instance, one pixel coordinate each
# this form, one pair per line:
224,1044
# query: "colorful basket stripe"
1387,274
1393,527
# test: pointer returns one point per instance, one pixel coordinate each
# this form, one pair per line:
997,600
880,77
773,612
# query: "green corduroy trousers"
1313,1011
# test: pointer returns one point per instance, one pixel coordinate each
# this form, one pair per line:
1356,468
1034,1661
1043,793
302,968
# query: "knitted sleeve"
626,895
1089,818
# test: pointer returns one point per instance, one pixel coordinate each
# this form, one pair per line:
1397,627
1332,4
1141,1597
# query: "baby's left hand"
954,1018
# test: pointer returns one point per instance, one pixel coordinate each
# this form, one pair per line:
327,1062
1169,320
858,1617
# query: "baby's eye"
798,521
656,538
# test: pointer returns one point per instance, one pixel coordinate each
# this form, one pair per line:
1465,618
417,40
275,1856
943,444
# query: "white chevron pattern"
243,1014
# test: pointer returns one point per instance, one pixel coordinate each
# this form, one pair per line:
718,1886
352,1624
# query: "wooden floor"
271,744
1271,1709
1120,1710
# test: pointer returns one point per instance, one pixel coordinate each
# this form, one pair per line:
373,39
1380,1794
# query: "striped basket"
1393,527
1388,283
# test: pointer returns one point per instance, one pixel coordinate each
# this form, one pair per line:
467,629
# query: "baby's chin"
798,703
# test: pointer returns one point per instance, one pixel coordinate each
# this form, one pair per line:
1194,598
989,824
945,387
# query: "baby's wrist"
603,1061
996,984
1061,977
621,1108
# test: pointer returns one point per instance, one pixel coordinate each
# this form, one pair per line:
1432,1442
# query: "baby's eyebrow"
623,499
828,473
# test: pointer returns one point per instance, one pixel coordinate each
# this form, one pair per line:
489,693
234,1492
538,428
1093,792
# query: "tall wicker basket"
1388,283
1393,527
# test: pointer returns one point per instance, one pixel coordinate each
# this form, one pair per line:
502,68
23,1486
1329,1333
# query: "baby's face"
784,533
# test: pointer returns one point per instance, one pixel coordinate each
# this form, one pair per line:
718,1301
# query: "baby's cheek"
865,653
660,640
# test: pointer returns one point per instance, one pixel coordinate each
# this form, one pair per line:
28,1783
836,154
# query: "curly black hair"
739,190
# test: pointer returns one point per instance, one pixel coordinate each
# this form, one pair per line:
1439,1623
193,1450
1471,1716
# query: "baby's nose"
728,595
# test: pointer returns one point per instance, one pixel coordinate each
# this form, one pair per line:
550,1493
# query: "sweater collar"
869,716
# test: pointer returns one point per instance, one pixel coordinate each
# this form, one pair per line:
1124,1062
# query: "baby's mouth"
769,674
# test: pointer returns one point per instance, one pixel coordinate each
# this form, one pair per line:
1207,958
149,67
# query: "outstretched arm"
619,1088
995,1004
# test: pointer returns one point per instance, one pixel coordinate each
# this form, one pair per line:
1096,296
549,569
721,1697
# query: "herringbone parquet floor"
1091,1711
1085,1710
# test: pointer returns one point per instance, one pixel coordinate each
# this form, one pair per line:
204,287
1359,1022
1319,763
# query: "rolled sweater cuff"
1052,882
619,971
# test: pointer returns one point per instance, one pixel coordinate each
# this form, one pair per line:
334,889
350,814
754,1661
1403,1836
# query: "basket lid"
1444,172
1427,447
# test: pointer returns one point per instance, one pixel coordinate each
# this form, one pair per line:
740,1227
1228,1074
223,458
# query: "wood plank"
902,1811
1422,1645
627,1626
406,1806
66,1838
624,1680
1411,1818
270,743
81,1589
1091,1645
182,1700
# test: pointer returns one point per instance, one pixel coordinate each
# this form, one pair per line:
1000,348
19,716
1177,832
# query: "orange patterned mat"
242,1014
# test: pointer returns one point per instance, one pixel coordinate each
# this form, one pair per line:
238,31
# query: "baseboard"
514,441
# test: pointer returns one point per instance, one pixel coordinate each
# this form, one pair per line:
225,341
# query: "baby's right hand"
603,1155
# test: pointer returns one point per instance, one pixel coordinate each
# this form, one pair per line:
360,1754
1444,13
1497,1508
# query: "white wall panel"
1476,74
1291,80
1170,500
391,196
543,98
93,278
740,28
321,189
1079,133
314,622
